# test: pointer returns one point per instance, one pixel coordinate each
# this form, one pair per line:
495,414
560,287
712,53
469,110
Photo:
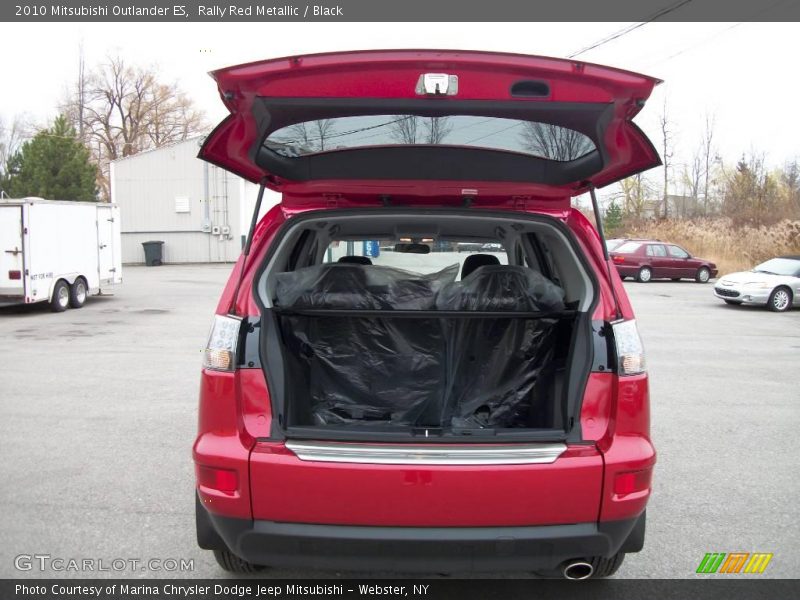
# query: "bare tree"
297,134
323,129
304,138
436,129
80,95
634,192
708,156
405,130
790,183
123,109
12,136
691,177
666,154
554,142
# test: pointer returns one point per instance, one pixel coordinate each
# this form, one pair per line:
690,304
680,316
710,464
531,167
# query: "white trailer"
58,251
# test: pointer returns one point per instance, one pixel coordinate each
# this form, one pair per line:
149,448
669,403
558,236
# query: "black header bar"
451,11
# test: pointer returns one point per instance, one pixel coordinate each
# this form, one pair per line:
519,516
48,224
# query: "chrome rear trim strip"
444,454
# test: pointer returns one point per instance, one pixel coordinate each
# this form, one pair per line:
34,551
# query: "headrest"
502,287
355,260
474,261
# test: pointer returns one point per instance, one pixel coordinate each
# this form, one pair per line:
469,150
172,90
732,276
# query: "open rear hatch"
427,126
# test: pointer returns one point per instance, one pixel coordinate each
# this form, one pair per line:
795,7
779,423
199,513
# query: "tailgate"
522,125
288,488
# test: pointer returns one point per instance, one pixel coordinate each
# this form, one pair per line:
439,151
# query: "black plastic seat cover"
365,371
494,364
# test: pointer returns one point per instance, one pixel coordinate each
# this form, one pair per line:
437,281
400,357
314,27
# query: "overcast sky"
746,74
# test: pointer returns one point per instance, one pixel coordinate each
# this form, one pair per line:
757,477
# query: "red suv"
371,398
647,259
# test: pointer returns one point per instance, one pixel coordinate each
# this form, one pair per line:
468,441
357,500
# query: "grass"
716,239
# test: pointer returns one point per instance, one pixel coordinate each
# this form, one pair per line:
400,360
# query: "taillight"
220,352
618,259
630,350
15,275
223,480
632,481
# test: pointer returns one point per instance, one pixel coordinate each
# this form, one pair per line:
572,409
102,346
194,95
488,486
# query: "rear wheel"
703,275
78,293
780,300
232,563
60,300
644,275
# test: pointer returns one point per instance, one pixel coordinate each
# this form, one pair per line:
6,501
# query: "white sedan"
775,283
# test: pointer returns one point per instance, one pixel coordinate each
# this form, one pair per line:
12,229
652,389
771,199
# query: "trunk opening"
488,350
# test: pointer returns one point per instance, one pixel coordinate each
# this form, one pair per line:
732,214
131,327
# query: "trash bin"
152,253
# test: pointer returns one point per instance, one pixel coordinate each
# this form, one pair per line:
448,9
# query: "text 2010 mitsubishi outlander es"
423,359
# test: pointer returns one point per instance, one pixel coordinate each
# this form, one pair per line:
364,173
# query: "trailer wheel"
78,293
60,300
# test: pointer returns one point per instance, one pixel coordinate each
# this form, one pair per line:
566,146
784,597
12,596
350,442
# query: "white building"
201,212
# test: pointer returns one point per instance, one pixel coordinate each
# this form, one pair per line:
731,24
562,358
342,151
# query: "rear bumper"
627,271
424,549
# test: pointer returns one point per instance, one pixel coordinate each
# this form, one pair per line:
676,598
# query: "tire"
233,564
78,293
606,567
733,302
703,275
644,275
780,300
60,300
676,279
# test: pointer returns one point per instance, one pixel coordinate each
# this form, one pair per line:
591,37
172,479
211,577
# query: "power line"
626,30
719,33
693,46
483,137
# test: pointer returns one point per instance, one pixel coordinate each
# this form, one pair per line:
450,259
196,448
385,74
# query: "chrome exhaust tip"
578,569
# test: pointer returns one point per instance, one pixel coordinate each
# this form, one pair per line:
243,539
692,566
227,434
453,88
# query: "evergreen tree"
54,164
612,221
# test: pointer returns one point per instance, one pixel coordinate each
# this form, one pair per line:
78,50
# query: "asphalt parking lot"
98,409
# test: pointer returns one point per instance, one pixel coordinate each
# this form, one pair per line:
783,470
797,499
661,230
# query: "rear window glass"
540,140
628,248
653,250
396,253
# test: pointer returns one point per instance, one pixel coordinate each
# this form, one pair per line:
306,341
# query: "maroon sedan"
645,260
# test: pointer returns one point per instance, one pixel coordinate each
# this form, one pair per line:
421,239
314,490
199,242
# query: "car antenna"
599,220
247,244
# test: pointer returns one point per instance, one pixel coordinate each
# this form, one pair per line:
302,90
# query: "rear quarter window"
628,248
